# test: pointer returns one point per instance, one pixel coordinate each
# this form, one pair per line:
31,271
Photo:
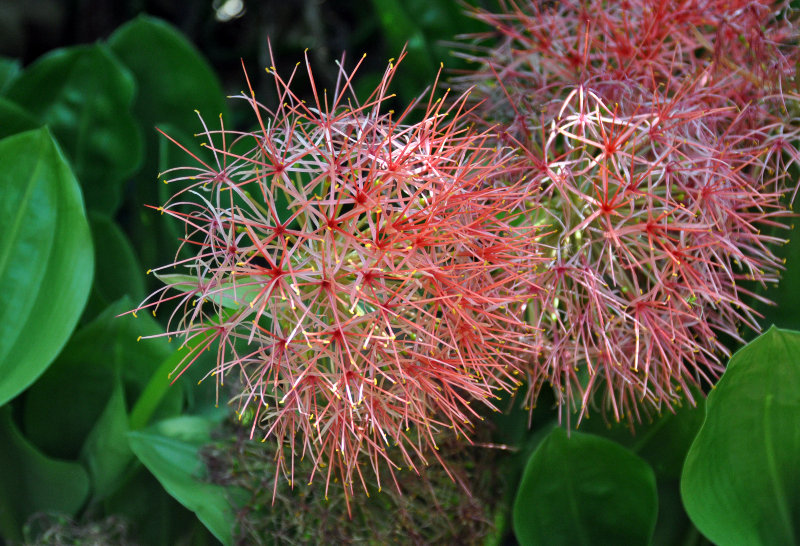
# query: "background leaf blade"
31,482
584,489
85,95
174,82
100,355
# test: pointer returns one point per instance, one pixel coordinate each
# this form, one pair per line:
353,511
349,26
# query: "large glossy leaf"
85,95
30,482
741,480
663,442
46,258
99,354
585,490
14,119
173,81
170,450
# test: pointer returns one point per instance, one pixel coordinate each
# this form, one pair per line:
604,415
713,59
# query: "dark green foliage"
587,490
173,83
85,96
32,482
98,441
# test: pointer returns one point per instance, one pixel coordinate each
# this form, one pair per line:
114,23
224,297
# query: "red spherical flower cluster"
656,136
361,274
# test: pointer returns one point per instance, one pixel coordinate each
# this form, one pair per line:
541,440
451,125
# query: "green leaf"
99,354
46,258
523,429
787,293
14,119
402,29
117,270
173,80
85,95
673,526
157,518
30,482
173,77
170,450
106,453
585,490
170,156
231,295
663,442
420,26
741,480
161,382
9,70
423,24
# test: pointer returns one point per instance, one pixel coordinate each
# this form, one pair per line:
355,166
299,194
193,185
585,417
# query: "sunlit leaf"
231,295
46,258
741,480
